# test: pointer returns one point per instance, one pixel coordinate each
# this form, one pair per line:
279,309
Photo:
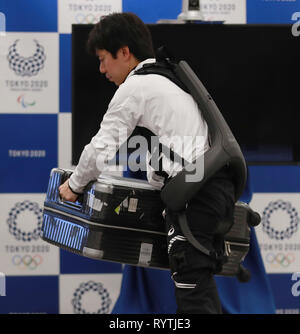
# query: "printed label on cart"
145,254
133,202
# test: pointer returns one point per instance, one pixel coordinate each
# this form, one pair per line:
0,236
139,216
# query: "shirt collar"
140,65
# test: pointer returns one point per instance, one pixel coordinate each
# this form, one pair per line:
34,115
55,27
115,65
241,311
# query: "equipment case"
121,219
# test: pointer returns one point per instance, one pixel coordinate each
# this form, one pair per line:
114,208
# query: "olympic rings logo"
280,259
27,261
87,18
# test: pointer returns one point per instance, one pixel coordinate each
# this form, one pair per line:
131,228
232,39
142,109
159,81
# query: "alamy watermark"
164,153
296,25
296,286
2,24
2,285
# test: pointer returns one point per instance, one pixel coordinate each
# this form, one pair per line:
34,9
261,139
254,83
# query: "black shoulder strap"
165,69
161,69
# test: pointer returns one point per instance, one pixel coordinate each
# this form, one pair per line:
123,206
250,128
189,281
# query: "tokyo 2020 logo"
268,225
26,66
96,288
14,227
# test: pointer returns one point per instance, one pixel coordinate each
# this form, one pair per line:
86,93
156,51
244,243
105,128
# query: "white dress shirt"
156,103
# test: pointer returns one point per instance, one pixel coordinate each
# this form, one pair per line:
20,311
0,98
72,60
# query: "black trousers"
193,271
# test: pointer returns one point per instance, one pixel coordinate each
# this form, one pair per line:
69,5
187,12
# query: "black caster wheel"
253,218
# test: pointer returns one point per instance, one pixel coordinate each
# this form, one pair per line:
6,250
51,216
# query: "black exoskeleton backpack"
224,149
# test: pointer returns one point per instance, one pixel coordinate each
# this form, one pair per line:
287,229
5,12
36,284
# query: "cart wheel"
243,275
254,218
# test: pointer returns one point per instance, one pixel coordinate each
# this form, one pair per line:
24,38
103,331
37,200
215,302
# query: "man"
123,44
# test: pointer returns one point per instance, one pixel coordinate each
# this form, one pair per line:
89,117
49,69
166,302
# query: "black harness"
162,68
224,150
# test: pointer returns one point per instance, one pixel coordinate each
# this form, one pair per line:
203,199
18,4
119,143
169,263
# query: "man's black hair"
121,29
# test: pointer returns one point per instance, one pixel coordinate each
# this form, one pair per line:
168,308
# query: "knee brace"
186,261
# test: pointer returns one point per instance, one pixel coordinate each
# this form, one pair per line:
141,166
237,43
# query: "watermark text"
2,24
170,154
296,286
2,285
296,25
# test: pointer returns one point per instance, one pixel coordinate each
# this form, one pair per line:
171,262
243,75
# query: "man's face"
115,69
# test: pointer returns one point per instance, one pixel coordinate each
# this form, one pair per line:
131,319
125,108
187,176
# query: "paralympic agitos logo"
26,66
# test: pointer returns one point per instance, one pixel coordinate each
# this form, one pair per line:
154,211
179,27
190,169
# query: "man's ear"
125,51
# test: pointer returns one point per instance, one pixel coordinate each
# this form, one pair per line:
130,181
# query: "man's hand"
66,193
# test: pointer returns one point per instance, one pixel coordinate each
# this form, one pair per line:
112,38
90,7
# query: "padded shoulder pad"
161,69
224,149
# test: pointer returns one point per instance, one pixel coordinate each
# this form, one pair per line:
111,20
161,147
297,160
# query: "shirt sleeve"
122,116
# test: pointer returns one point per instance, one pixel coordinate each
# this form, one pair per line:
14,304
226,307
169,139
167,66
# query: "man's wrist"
74,192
